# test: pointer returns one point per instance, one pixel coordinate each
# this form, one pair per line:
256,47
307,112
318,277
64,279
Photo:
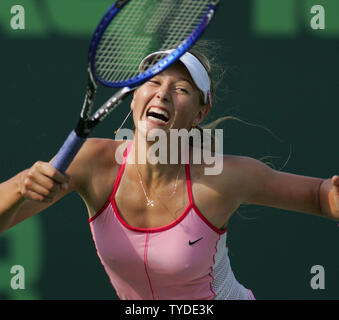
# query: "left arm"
261,185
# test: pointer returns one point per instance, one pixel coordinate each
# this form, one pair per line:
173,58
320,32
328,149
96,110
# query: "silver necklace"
149,201
175,187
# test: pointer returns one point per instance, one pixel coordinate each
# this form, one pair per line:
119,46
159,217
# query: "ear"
201,115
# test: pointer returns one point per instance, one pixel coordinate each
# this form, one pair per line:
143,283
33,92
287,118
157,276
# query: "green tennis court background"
280,74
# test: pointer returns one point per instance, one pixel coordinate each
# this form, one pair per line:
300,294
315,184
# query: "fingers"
335,182
42,182
48,170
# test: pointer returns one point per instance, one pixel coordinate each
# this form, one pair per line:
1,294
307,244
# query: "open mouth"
157,114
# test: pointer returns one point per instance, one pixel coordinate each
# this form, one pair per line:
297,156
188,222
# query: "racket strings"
117,42
160,25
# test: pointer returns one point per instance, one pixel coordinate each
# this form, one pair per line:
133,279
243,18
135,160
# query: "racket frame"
86,123
160,65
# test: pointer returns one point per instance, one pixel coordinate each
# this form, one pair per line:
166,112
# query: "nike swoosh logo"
193,242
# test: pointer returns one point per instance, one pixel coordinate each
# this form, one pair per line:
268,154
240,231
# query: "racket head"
132,29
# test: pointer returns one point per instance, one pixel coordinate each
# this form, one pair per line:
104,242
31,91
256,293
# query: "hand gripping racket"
128,32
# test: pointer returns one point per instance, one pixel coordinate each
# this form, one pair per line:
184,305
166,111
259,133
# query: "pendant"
150,203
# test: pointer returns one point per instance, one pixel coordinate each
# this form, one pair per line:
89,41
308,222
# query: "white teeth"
156,119
159,111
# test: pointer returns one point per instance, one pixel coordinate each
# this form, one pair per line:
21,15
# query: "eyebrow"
188,81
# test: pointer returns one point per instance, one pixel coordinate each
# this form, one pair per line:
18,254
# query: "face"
169,100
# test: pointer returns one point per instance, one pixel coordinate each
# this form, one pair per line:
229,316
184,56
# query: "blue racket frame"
78,136
160,65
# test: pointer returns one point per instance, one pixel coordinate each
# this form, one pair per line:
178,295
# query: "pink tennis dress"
185,260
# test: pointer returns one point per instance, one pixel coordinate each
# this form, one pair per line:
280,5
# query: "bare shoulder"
219,187
105,147
245,175
95,156
242,165
235,175
217,168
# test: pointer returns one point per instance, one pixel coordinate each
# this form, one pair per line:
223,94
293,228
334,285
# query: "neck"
156,162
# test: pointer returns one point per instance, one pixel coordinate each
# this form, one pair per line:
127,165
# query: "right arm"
30,192
40,186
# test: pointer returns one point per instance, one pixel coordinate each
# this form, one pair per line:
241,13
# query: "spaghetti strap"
189,184
121,169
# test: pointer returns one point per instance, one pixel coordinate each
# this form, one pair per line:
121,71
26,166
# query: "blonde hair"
216,73
200,51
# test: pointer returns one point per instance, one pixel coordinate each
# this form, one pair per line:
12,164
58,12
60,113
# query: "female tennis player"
160,229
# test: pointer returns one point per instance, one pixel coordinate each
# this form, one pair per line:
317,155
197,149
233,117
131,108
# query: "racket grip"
67,152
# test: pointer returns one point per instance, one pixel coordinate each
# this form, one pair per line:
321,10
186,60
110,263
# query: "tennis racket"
127,33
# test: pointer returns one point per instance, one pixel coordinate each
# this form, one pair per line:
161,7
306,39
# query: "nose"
163,93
